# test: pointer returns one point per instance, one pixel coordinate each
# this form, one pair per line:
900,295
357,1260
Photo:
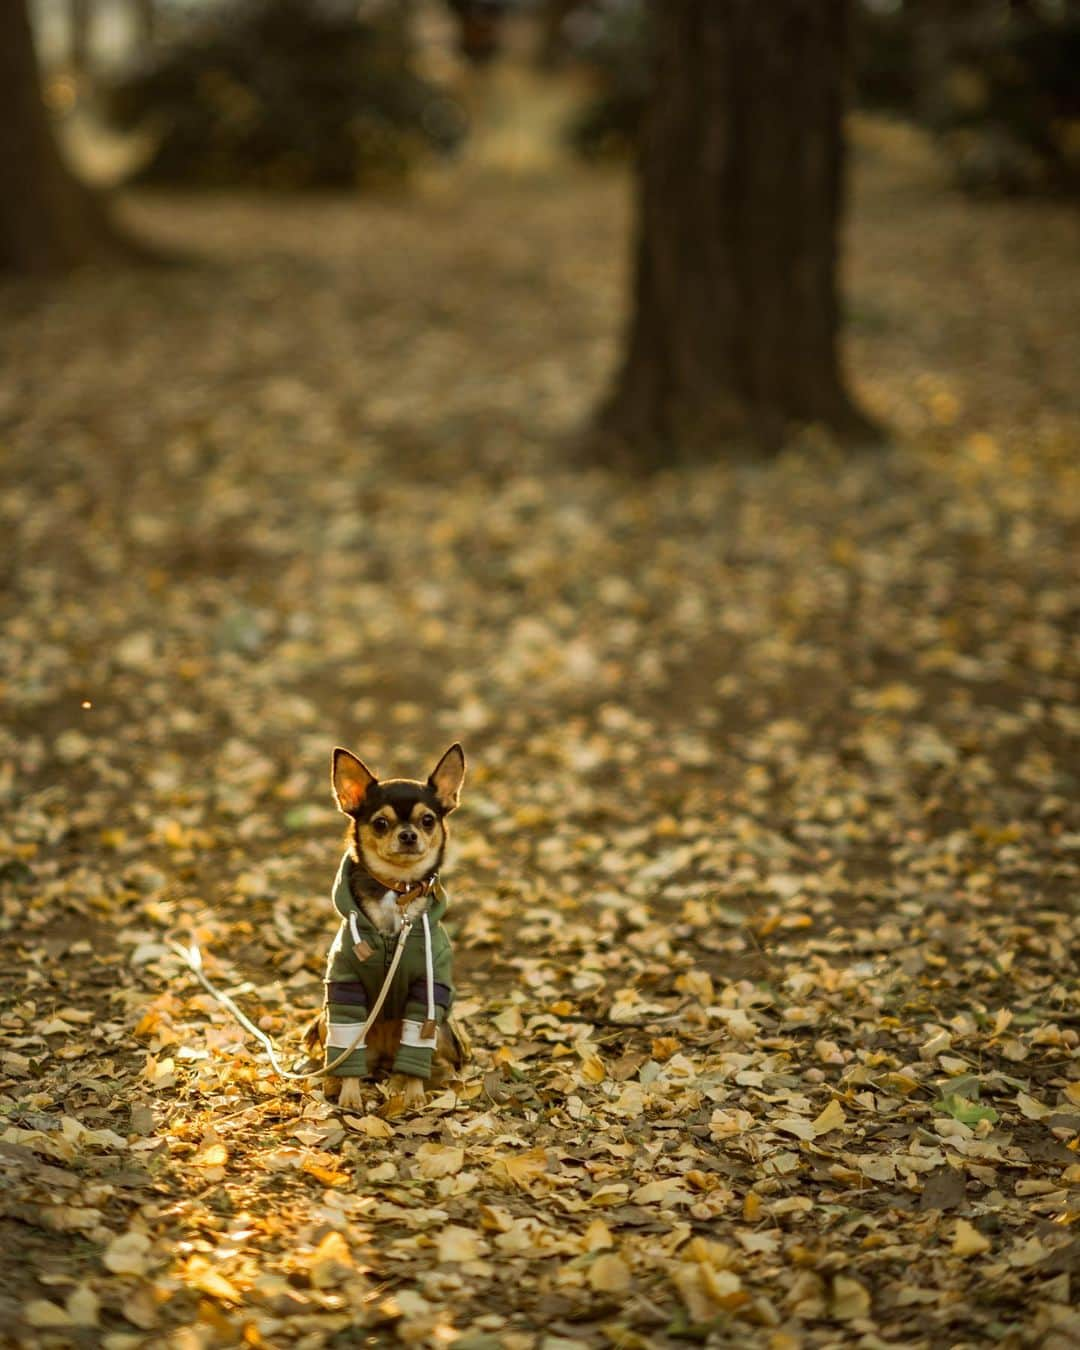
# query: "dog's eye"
428,821
381,825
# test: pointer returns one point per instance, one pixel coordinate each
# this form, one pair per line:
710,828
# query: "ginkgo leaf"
1032,1109
83,1305
128,1254
456,1243
609,1274
40,1312
966,1111
967,1240
509,1022
211,1155
438,1160
199,1274
373,1126
831,1118
850,1299
597,1236
331,1262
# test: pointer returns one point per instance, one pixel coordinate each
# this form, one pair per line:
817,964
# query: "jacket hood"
346,905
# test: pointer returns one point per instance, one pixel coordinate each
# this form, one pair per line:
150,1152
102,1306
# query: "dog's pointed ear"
351,779
447,777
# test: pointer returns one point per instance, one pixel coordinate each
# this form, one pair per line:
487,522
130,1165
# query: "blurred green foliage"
284,94
999,85
1009,111
612,38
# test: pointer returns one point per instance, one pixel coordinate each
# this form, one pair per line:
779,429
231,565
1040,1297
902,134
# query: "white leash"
192,958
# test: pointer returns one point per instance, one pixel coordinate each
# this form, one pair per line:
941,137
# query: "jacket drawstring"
428,1029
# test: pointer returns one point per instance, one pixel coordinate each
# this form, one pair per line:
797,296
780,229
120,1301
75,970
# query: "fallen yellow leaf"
39,1312
1032,1109
609,1274
373,1126
509,1022
968,1241
83,1305
128,1254
597,1236
456,1243
331,1262
832,1118
439,1160
199,1274
850,1299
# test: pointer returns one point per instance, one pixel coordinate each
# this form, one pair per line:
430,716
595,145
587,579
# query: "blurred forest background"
678,404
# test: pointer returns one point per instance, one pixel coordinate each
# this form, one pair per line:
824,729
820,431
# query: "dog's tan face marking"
402,850
398,826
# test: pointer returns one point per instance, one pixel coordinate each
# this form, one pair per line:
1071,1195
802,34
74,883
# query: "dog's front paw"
350,1097
409,1088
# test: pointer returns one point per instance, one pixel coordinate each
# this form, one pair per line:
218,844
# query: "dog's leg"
314,1035
350,1098
410,1087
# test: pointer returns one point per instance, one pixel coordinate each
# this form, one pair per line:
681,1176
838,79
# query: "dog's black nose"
407,838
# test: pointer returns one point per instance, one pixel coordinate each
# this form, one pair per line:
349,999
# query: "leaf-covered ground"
764,888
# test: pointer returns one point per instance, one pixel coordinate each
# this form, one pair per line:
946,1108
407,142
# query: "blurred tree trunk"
49,221
733,335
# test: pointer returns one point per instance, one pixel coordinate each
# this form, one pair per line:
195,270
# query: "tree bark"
733,335
49,221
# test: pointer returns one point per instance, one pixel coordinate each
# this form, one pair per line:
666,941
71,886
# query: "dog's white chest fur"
385,913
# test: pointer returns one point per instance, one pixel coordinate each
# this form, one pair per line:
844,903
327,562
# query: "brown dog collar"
414,892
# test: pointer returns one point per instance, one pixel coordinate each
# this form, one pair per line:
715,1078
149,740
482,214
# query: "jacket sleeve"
419,1029
346,1009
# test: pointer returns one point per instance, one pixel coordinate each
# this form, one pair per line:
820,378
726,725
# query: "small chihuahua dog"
389,877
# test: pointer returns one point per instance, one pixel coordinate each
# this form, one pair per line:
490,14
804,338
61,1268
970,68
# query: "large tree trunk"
49,221
733,336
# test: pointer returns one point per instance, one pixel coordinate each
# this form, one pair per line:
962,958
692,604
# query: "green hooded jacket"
420,993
